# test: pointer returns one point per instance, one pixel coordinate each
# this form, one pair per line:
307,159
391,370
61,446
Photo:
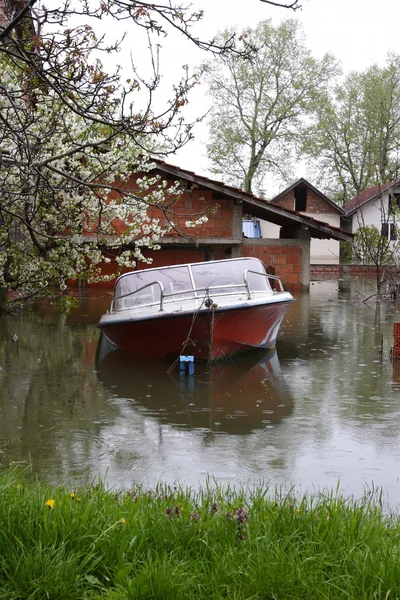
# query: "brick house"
288,256
302,197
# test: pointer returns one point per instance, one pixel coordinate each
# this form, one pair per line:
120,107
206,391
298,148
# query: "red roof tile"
366,196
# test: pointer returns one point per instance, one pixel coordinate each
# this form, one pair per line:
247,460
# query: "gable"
302,196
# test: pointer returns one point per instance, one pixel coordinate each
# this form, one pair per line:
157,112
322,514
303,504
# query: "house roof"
367,195
258,207
303,181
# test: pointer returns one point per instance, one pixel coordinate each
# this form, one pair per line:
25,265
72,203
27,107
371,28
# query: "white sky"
358,32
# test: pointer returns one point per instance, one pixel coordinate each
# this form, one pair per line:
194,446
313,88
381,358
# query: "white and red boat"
209,310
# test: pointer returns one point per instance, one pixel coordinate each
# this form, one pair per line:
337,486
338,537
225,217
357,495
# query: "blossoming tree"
73,131
71,135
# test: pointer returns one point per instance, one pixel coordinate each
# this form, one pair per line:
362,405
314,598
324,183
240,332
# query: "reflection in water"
328,411
238,396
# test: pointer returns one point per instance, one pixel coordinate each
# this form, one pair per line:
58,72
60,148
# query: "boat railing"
201,293
188,294
268,276
130,294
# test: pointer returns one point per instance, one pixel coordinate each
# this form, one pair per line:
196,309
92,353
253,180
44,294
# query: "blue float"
186,364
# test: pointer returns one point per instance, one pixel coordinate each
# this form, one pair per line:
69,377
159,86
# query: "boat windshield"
173,280
230,272
222,276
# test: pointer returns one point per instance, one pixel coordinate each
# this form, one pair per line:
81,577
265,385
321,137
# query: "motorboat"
209,310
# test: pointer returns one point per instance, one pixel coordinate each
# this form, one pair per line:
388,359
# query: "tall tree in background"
259,102
355,140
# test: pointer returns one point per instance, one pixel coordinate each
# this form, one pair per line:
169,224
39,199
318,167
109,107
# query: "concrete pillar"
237,221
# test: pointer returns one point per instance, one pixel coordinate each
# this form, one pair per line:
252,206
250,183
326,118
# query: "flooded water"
324,408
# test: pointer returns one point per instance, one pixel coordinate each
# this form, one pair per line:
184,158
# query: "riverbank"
169,543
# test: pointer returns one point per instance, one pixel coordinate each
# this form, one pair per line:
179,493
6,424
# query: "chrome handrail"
267,275
139,290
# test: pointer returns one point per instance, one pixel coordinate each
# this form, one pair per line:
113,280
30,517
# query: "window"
394,203
300,198
389,231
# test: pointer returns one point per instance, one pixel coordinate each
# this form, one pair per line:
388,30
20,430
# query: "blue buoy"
186,364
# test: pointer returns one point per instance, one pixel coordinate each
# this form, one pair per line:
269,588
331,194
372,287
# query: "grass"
170,543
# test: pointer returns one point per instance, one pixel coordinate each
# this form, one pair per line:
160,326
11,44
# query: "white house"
302,197
377,205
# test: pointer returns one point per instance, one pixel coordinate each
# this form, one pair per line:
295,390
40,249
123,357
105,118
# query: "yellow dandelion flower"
72,495
50,503
122,521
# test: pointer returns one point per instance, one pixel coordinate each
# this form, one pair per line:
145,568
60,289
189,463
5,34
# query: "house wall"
375,212
321,251
324,251
270,230
160,258
315,204
288,259
370,213
284,258
221,237
223,219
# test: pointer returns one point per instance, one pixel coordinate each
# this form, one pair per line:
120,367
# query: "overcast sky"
358,32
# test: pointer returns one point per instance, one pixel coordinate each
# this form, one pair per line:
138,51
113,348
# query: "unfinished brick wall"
190,206
280,260
283,261
326,271
161,258
315,204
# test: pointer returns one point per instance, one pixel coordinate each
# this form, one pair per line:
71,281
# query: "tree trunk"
3,299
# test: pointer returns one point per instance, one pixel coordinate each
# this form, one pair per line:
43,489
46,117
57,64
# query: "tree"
355,139
294,5
259,101
72,132
376,252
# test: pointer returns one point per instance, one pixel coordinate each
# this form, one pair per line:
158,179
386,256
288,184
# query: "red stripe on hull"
209,335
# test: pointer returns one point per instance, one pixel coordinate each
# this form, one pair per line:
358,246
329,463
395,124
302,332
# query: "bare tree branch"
293,5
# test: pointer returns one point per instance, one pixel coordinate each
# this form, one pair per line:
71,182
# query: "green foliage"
259,100
168,543
65,303
370,247
355,137
375,250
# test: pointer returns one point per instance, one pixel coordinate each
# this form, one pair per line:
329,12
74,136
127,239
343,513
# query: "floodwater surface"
321,411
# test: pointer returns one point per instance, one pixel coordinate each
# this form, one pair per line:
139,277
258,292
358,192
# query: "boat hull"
211,334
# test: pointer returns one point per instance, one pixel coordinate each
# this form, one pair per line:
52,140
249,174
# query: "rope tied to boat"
204,300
